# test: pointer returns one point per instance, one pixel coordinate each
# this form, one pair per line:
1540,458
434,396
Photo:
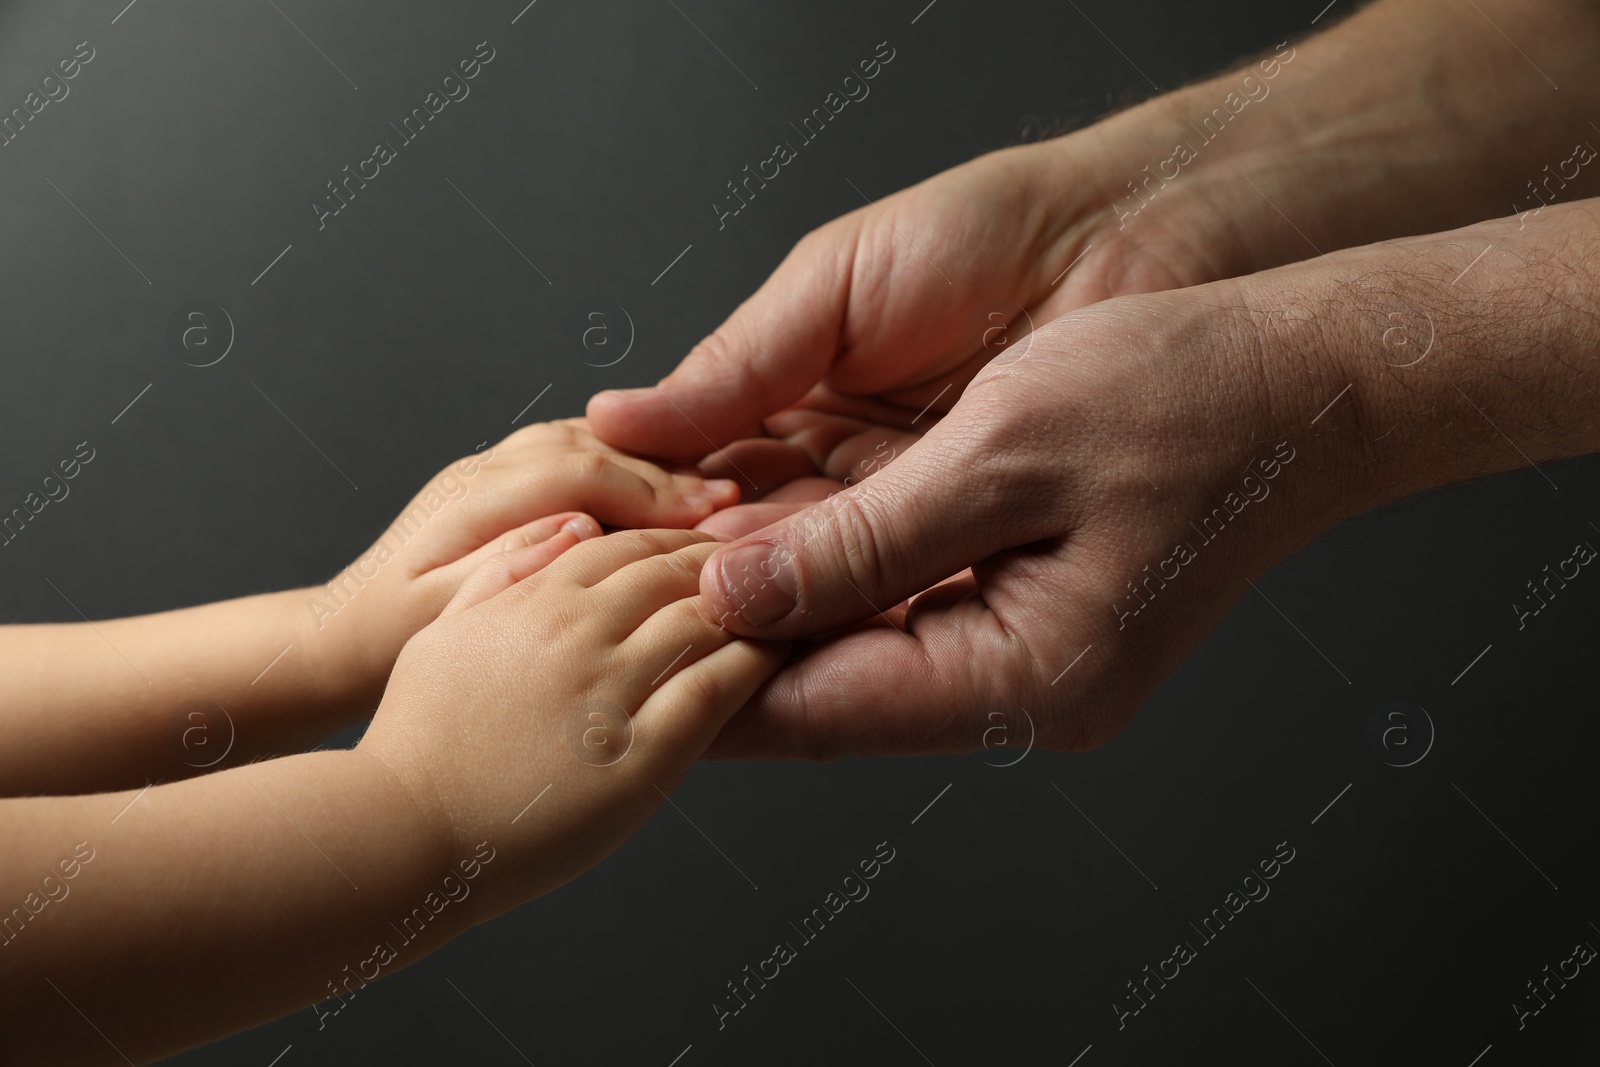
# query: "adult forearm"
1409,117
1434,359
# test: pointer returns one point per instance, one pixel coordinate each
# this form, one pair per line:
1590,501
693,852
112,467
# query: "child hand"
536,723
732,523
550,715
552,483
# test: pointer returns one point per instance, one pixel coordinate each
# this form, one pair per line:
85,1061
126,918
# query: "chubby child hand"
536,723
552,483
556,702
194,690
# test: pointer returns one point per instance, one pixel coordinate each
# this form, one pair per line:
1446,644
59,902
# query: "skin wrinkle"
715,352
856,290
853,514
932,668
445,843
992,444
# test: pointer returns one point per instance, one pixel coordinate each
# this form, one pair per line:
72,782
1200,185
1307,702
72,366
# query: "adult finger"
773,348
949,501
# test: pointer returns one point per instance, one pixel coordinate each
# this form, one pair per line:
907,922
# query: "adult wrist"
1439,358
1407,118
1165,181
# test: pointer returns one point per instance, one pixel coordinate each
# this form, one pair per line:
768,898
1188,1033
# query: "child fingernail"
722,487
582,527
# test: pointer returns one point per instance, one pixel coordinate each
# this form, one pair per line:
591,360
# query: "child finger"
617,491
732,523
638,590
680,479
676,636
583,526
602,557
518,555
678,722
804,491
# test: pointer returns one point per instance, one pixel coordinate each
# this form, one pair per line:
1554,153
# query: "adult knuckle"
726,352
1001,464
857,535
717,349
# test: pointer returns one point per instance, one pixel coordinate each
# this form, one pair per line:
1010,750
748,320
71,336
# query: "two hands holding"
994,427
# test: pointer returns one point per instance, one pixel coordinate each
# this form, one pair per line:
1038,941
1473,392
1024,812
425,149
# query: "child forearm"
122,702
106,705
139,923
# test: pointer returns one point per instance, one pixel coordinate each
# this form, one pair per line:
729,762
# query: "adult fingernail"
582,527
758,582
627,395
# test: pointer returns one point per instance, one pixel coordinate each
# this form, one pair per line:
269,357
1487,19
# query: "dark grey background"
408,331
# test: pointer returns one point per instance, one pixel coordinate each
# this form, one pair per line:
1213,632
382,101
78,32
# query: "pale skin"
124,702
164,917
1040,483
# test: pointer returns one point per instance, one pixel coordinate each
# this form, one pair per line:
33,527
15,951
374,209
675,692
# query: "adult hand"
1348,138
1099,437
1117,484
905,299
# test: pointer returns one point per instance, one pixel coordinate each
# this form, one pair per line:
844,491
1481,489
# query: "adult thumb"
865,549
768,354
